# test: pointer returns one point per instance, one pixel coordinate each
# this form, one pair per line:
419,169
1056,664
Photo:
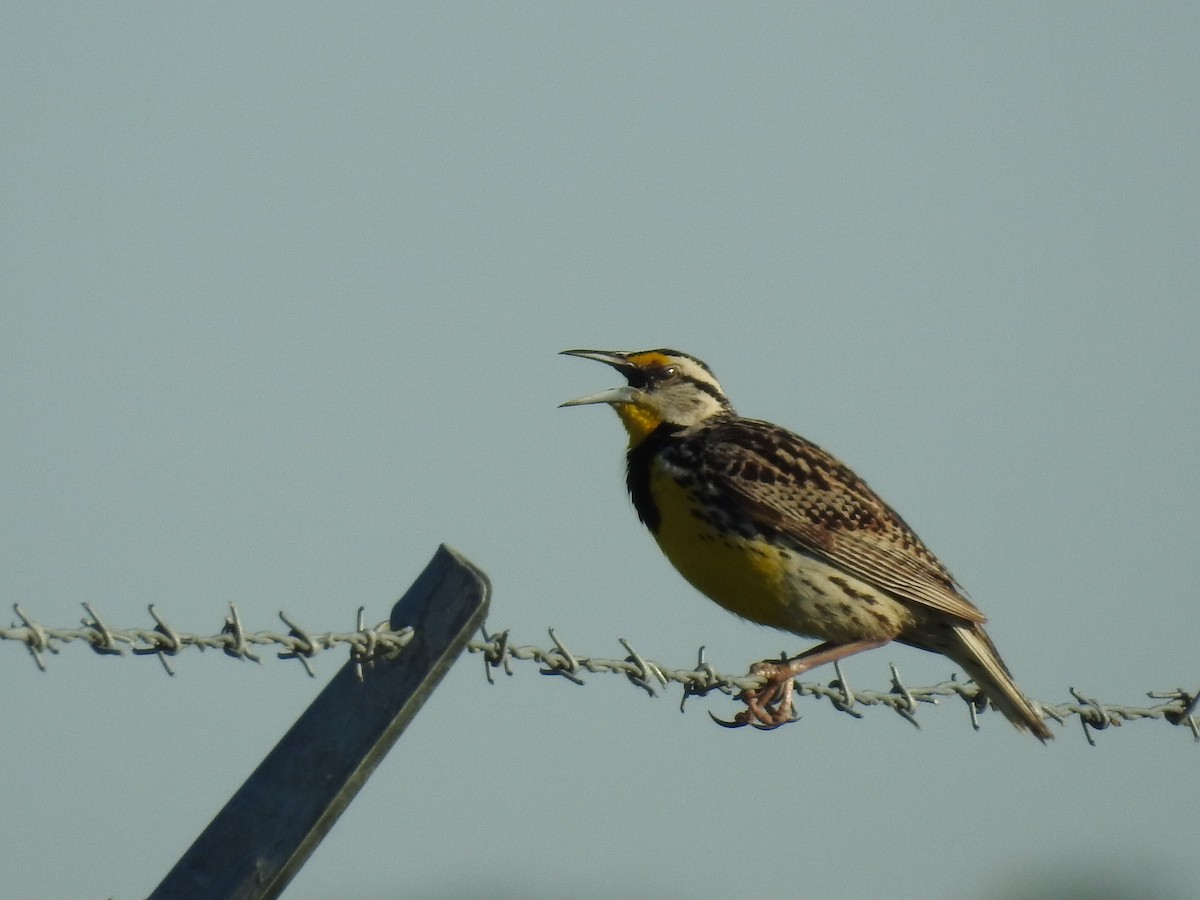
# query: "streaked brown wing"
795,489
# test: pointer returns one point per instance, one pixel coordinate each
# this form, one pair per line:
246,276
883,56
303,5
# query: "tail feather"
978,656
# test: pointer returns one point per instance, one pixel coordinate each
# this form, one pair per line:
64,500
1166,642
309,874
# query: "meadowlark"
776,530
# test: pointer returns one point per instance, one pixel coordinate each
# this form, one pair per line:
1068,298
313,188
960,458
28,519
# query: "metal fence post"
270,827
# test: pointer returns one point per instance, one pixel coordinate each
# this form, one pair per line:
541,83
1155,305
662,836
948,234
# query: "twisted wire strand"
233,640
1175,707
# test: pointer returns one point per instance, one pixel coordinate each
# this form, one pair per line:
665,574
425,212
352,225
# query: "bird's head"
665,387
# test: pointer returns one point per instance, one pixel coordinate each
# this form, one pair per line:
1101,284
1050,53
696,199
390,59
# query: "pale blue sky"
283,288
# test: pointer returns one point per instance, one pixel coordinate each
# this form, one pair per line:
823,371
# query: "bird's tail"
977,655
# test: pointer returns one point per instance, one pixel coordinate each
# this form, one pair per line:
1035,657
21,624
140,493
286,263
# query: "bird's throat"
638,420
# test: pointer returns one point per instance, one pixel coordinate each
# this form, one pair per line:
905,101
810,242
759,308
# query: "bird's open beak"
618,361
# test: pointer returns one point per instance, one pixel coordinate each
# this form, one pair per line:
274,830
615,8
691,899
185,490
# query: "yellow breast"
746,576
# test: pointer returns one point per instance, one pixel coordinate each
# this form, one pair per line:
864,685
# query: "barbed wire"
1176,707
233,640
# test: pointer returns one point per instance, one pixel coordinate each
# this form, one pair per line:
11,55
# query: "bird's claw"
734,723
767,707
772,726
744,718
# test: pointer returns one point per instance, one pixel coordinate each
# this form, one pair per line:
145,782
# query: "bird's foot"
768,706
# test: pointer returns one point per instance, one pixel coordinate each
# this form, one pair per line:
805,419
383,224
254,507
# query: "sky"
283,290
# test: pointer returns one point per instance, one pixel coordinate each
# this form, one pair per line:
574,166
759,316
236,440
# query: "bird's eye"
658,374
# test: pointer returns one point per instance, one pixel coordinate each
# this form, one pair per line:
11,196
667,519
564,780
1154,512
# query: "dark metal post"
270,827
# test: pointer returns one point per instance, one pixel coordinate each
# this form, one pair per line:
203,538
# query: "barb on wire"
1176,707
164,641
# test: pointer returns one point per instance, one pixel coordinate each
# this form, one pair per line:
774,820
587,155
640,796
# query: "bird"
778,531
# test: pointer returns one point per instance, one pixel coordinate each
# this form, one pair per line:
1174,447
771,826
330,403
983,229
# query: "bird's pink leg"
771,705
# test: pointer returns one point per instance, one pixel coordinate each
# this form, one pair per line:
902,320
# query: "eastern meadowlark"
777,531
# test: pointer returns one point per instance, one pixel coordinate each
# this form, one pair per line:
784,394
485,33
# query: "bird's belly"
770,583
